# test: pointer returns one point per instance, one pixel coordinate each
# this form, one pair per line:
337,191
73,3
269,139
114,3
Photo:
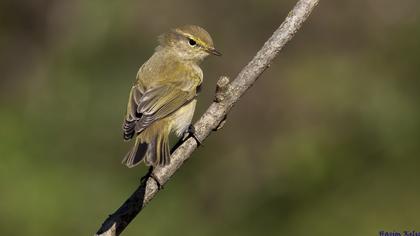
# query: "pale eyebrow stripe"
200,42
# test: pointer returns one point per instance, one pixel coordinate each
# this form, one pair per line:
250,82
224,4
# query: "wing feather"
168,100
149,104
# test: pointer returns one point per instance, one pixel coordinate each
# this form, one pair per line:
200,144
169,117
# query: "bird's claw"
191,133
152,175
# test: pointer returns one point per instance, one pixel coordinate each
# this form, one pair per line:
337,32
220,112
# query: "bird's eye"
192,42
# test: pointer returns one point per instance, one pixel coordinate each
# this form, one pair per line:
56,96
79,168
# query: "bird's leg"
144,179
152,175
155,178
191,133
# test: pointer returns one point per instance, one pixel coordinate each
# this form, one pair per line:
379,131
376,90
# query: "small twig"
227,95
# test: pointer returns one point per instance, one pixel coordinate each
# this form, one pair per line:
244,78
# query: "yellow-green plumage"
163,96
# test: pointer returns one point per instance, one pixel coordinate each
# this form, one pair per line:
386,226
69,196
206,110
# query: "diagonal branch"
227,94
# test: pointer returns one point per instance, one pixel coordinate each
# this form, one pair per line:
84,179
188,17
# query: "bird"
163,97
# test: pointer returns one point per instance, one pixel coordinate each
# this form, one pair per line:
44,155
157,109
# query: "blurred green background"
327,142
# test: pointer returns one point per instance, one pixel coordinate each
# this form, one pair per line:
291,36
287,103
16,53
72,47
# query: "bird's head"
189,42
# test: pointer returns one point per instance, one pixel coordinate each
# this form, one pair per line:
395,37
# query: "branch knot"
221,88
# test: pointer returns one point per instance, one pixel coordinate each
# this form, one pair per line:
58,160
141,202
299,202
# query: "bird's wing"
153,105
131,115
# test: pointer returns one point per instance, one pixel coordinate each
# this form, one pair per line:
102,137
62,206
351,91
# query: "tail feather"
158,154
136,154
163,150
154,152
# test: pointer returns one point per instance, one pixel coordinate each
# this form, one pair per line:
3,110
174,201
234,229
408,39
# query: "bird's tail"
152,146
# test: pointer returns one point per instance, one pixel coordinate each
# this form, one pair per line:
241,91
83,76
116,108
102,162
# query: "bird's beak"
213,51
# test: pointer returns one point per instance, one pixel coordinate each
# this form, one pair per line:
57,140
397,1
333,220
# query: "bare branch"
227,94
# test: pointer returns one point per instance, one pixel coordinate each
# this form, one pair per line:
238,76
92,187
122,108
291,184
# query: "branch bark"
227,94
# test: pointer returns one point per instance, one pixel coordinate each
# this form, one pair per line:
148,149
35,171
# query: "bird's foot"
191,133
151,175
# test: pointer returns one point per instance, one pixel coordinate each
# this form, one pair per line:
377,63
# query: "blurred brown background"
327,142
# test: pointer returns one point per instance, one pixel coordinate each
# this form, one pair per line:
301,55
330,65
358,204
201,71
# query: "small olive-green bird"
163,97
